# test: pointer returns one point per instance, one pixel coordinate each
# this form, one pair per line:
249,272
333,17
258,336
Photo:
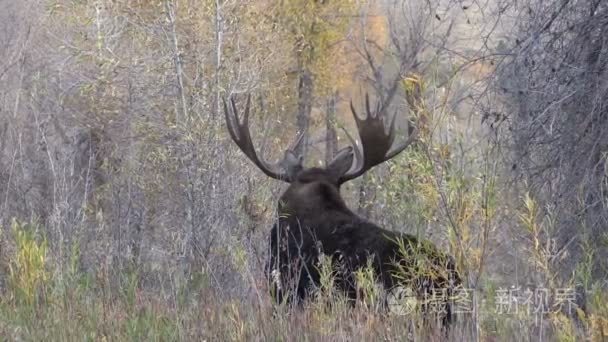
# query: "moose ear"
292,165
342,162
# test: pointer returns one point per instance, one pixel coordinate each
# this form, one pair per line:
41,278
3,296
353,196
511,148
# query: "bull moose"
313,219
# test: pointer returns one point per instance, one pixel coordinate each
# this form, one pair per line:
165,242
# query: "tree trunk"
331,141
305,88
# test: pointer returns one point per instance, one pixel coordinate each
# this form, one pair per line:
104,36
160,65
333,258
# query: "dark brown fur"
314,219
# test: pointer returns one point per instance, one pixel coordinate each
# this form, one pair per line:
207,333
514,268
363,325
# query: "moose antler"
284,169
376,144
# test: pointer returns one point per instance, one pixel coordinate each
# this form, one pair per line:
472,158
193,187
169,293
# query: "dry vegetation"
126,212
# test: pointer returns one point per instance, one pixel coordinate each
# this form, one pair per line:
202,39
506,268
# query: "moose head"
313,219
